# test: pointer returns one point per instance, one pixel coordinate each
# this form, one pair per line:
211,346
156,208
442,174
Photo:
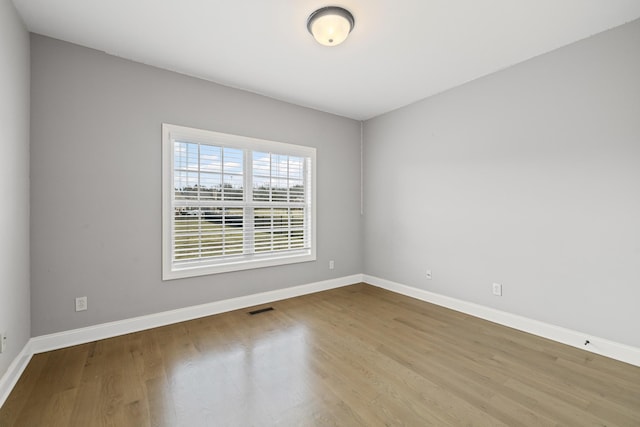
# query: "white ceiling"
400,51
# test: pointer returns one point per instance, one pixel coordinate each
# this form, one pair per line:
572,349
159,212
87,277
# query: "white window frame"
171,270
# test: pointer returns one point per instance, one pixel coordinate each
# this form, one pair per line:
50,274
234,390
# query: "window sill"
229,265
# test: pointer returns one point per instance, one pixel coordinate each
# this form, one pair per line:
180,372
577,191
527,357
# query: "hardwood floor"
354,356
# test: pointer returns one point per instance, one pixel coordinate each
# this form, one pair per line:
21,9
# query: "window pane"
261,164
279,190
233,161
210,159
278,178
296,191
297,218
297,239
186,185
278,229
261,190
202,233
296,168
262,218
232,188
210,186
186,156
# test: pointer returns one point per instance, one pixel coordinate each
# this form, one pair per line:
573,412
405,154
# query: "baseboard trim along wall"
604,347
107,330
15,369
59,340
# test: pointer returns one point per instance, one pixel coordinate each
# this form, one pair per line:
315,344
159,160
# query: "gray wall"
96,190
14,176
529,177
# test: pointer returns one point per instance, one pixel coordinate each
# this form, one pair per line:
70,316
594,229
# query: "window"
234,203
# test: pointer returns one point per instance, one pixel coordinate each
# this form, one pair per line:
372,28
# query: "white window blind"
232,202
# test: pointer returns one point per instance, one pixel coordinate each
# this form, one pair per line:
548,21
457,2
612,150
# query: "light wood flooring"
354,356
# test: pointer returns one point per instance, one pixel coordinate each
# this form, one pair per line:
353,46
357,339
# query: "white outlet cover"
81,303
429,276
497,289
3,342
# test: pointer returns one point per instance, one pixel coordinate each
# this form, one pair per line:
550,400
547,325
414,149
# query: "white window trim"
172,132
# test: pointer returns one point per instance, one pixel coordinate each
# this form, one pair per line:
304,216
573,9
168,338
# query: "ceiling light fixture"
330,25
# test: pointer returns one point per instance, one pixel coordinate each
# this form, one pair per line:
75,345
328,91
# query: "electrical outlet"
497,289
3,342
429,277
332,265
81,303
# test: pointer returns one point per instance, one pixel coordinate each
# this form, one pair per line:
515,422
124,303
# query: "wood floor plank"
352,356
25,387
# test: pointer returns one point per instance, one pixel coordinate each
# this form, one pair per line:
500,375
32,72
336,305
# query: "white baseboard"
15,369
604,347
111,329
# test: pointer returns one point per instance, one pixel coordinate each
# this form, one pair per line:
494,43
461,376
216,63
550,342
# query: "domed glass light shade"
330,25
